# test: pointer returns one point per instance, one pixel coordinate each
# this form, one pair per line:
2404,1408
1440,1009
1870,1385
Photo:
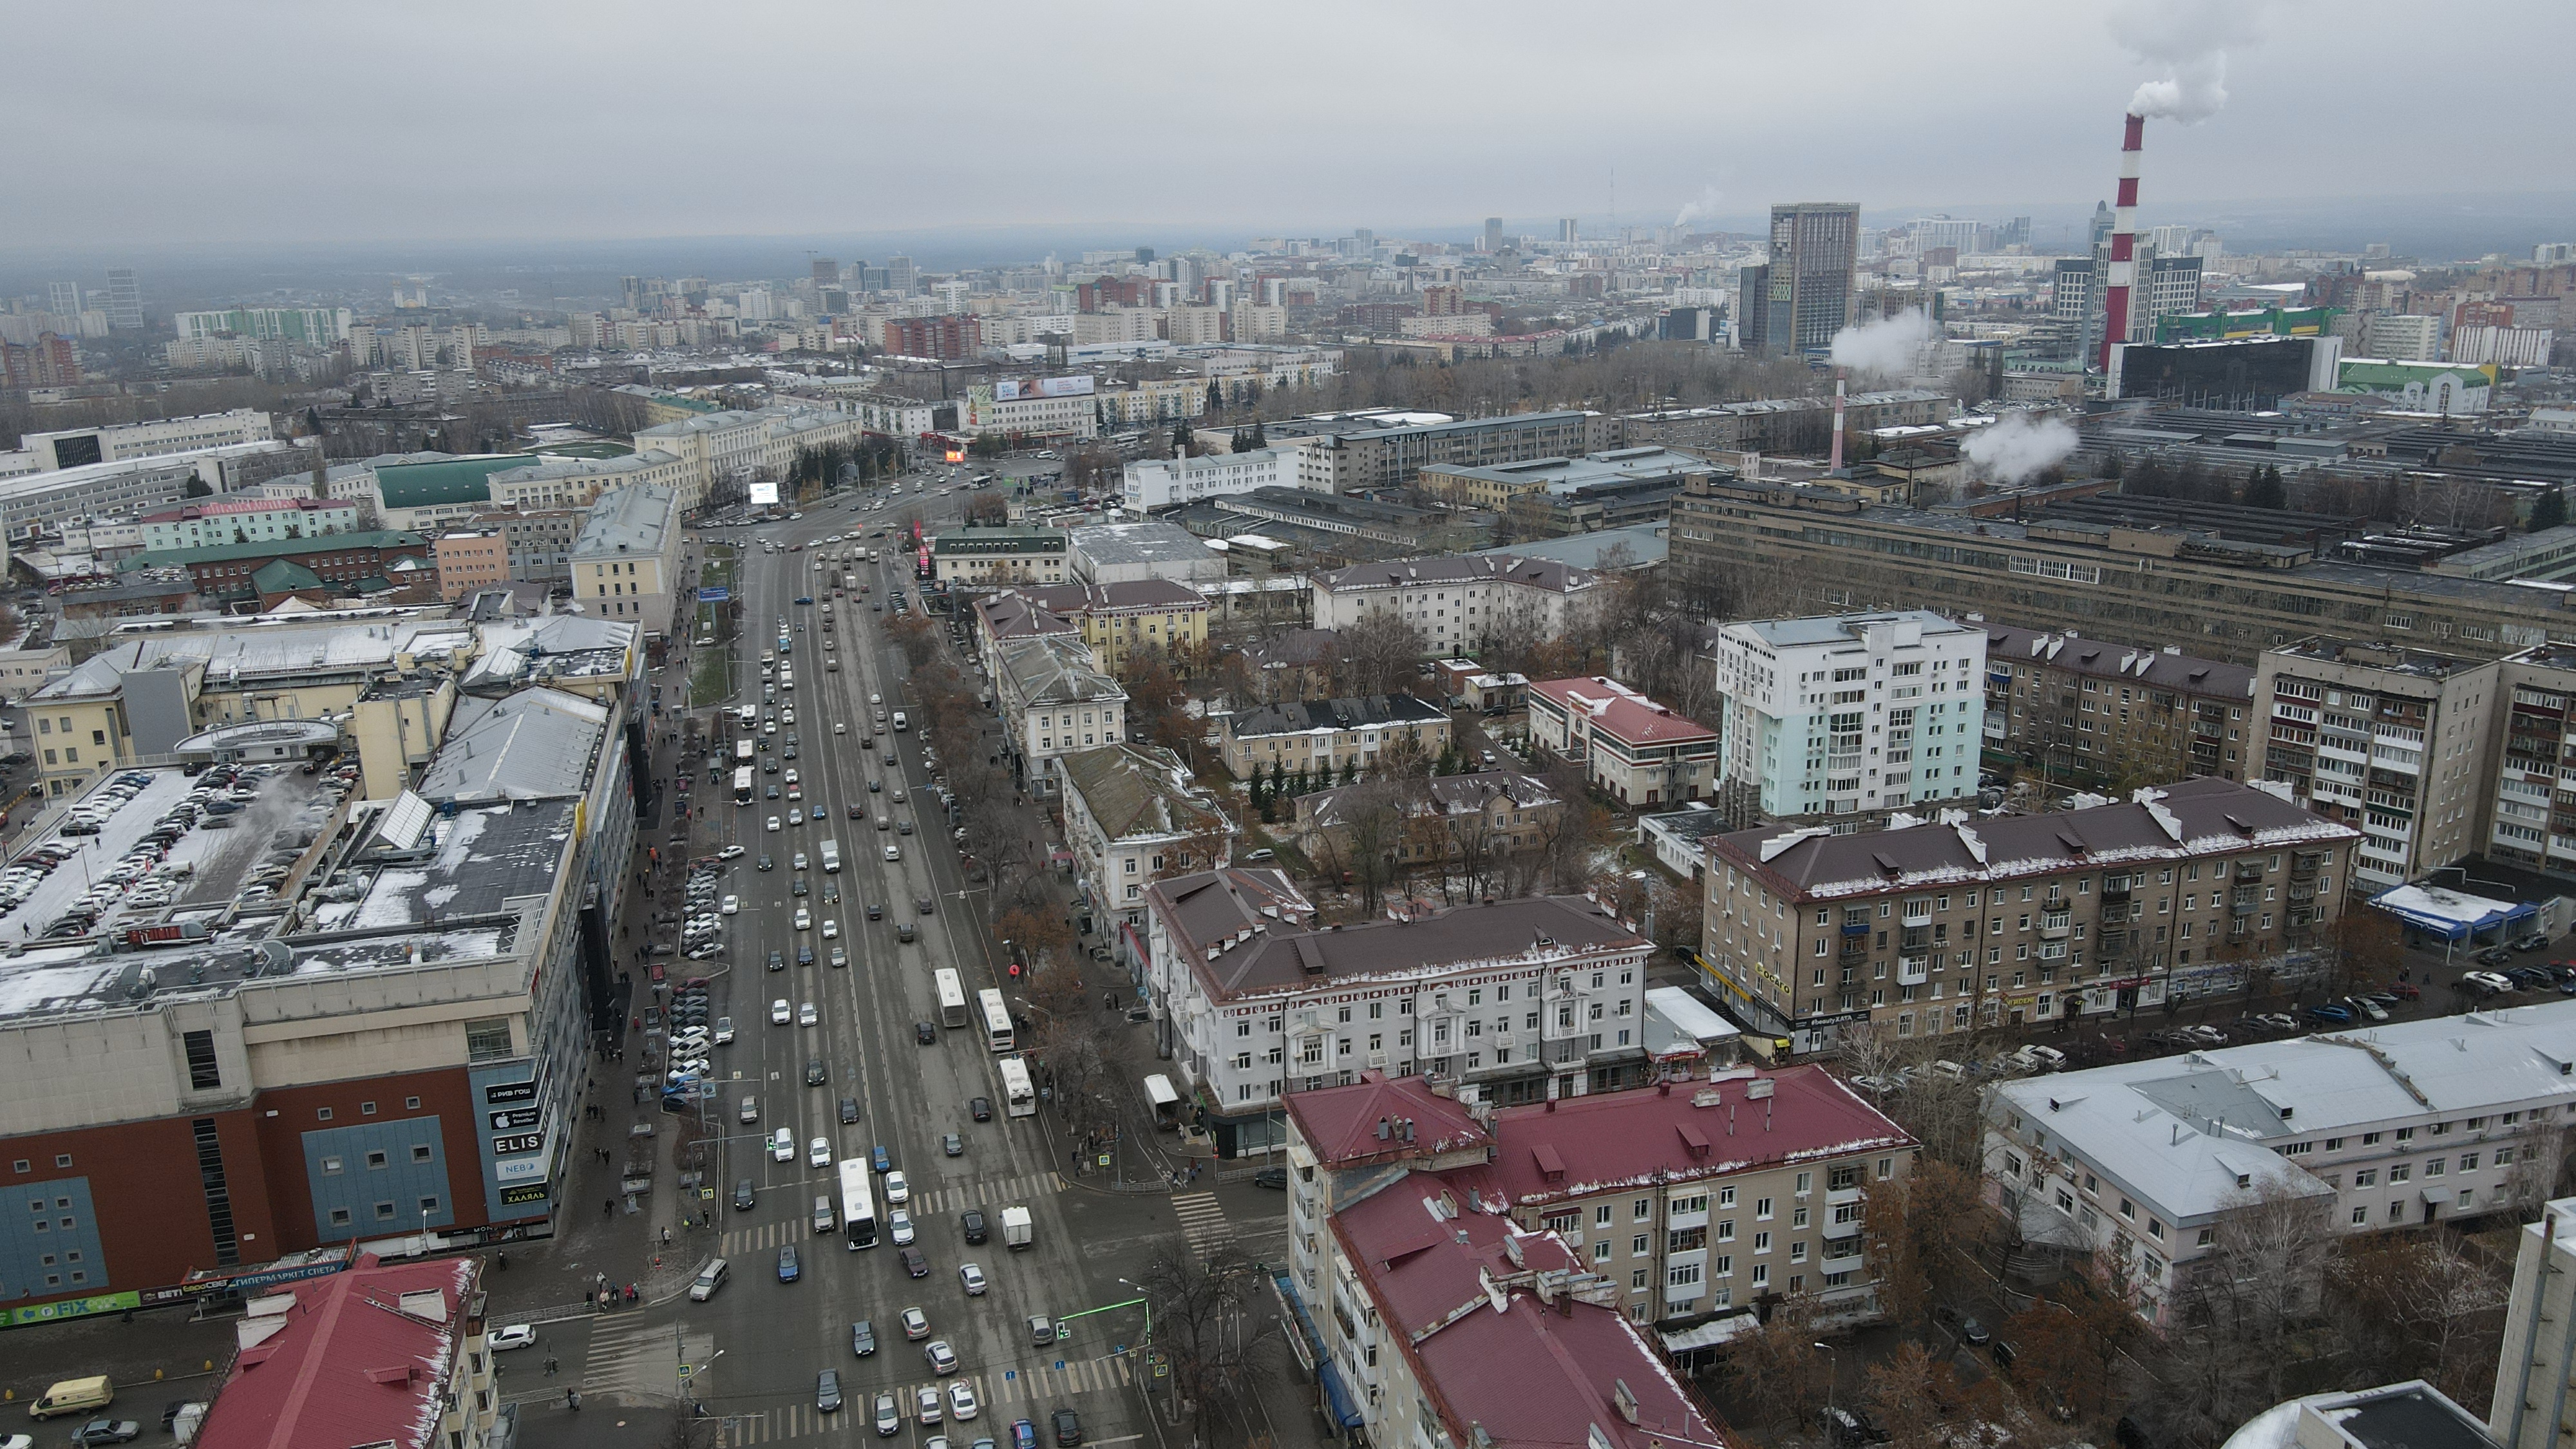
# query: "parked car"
2536,941
2494,956
2329,1012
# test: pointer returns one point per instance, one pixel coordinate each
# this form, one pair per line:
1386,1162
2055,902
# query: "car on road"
818,813
1974,1332
2487,982
971,1275
973,1221
858,812
782,1146
894,852
849,1110
840,956
961,1400
818,1153
797,861
724,1031
1274,1177
512,1335
2536,941
816,1074
889,1417
788,1271
2494,956
806,1015
773,822
2367,1007
943,1359
925,904
766,863
780,1013
926,1403
914,1265
863,1338
2327,1011
876,911
899,1226
106,1431
731,852
898,1189
1068,1428
952,1144
1024,1435
831,929
777,962
924,1033
880,1159
916,1324
743,1196
2409,991
827,1392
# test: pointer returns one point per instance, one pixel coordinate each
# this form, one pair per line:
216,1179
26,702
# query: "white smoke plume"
1890,347
2189,38
1703,208
2016,448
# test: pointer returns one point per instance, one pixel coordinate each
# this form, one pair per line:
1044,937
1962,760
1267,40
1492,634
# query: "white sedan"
773,822
897,1189
731,852
818,1153
831,929
804,919
780,1013
515,1335
806,1015
732,906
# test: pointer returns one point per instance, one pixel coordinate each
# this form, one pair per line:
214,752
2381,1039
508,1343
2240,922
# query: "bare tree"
2538,1173
2426,1304
2238,1304
1378,655
1778,1373
1204,1323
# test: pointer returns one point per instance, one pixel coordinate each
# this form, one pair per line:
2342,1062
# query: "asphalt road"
757,1346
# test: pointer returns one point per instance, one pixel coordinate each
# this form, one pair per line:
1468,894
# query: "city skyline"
2028,109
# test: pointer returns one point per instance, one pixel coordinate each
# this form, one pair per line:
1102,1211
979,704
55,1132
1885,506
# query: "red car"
2406,990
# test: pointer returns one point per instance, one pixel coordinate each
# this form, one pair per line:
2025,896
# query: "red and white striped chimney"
2124,227
1835,463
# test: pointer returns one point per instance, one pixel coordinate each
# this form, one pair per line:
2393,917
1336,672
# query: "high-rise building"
1852,715
63,299
1930,232
2167,286
2075,290
1568,229
2403,337
1815,249
901,276
2014,233
827,273
1493,234
124,299
1753,307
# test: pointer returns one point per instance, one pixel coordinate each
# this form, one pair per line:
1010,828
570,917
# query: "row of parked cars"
136,880
2558,976
2028,1061
702,932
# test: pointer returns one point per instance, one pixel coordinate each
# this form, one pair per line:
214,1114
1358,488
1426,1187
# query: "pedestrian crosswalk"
633,1358
1202,1222
990,1194
1020,1391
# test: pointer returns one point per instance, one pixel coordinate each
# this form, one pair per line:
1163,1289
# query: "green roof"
451,480
165,558
284,576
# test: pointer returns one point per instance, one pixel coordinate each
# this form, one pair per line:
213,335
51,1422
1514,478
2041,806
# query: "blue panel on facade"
49,1241
375,1179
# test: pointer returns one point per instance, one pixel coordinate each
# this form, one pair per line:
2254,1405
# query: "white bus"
858,1203
952,997
742,785
748,715
997,1019
831,857
1019,1098
743,752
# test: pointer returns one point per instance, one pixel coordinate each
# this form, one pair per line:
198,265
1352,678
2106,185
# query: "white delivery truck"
831,857
1015,1227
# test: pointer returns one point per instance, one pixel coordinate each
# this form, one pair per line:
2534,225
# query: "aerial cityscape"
1656,730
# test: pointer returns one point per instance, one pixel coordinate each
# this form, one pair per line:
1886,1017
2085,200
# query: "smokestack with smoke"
1835,463
2013,450
1702,209
2124,245
1890,347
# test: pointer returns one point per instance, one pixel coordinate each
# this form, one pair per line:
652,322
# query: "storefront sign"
521,1194
523,1142
500,1092
516,1118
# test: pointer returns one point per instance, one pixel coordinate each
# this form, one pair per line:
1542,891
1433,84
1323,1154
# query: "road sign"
1104,1159
714,594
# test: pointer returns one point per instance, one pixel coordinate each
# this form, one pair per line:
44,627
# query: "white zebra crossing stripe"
1202,1221
993,1193
631,1356
1025,1384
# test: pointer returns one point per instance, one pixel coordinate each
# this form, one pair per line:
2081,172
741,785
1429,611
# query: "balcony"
2053,927
2109,938
2241,904
2303,867
1855,948
1834,1231
1913,970
2249,870
1856,925
1915,938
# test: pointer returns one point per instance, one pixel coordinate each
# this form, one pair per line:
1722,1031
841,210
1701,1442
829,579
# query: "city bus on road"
1019,1098
742,785
997,1019
858,1203
952,997
743,752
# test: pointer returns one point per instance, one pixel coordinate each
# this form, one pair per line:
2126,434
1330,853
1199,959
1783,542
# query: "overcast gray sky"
262,120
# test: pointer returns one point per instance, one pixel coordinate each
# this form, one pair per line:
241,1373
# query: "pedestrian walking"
550,1365
608,1209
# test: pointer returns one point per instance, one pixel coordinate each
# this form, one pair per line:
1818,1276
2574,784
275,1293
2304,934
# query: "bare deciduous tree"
1205,1323
1378,655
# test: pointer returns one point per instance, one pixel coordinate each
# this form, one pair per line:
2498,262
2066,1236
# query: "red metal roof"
1620,712
1340,1124
1581,1145
347,1364
1530,1371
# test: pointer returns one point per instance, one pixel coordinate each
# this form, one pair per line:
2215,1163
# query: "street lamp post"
1831,1375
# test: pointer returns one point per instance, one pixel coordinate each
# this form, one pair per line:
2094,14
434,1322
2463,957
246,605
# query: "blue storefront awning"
1343,1408
2448,915
1338,1394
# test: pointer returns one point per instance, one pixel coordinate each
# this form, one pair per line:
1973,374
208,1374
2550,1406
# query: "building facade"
1157,483
1009,554
245,520
1852,714
1316,737
1132,817
2091,713
1927,929
1461,603
1631,748
626,561
470,560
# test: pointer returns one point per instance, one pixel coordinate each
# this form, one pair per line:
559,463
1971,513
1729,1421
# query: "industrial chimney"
1835,463
2123,261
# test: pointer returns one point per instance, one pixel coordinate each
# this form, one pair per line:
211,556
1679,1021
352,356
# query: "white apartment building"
1516,1001
2402,338
122,442
317,326
578,482
1056,701
2394,1125
1853,713
209,522
2390,739
1074,417
900,418
1459,601
1152,484
1259,322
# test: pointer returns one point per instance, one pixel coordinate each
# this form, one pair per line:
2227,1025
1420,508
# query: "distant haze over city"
1195,126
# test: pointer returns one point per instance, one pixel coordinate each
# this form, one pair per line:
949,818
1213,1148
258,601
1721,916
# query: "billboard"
764,495
1022,388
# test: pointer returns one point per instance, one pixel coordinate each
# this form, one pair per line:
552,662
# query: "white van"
900,723
782,1147
710,1278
